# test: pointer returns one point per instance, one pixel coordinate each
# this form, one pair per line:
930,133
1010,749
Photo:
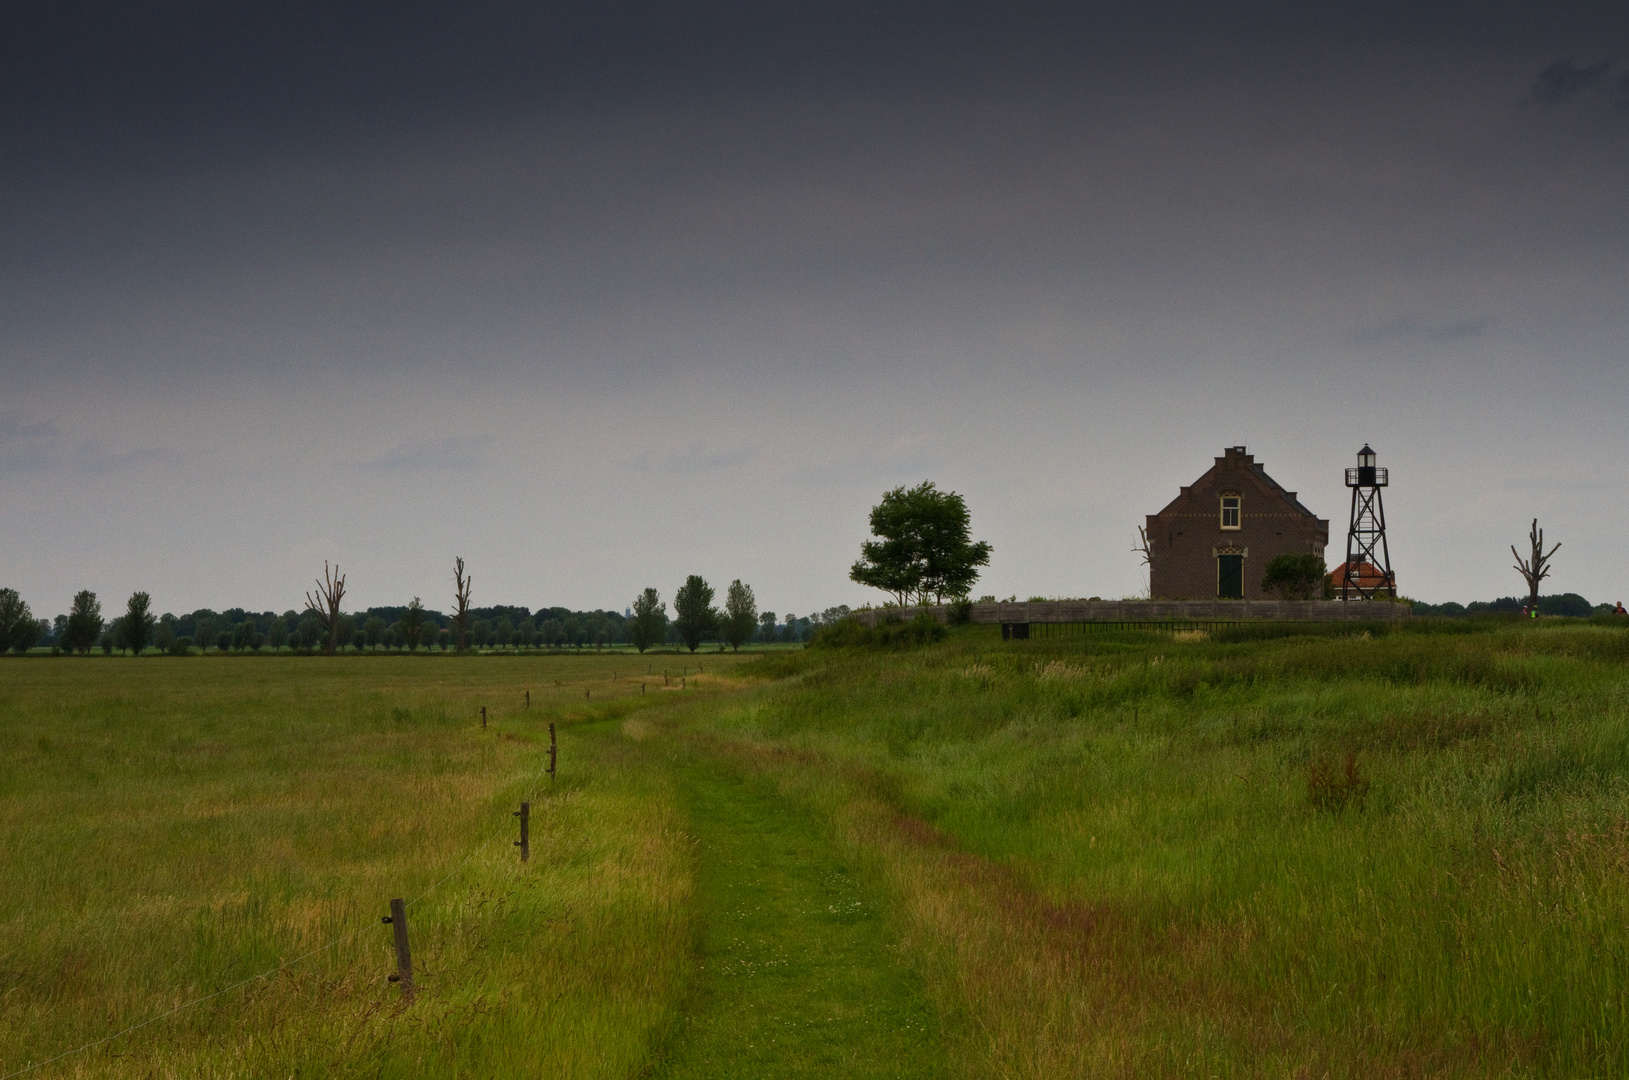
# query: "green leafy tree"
649,620
11,609
277,635
308,633
766,625
18,628
693,611
922,547
375,628
740,614
1295,576
84,623
223,641
138,622
413,624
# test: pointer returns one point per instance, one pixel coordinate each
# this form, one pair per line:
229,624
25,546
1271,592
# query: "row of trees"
922,551
695,619
82,629
323,624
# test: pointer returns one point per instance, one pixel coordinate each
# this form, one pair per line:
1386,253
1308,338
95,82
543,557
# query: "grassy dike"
1128,855
1119,855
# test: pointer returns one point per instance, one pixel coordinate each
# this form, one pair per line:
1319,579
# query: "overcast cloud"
597,297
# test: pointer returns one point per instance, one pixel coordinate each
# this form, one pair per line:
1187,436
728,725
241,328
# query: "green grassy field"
1117,855
174,826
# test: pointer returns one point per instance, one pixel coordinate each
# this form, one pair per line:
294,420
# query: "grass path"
798,974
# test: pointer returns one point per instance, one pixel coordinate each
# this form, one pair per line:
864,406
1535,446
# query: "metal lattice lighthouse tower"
1367,571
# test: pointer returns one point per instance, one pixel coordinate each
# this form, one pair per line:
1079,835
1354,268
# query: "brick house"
1217,535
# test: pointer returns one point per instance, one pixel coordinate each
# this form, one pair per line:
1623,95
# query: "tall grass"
1400,852
1115,852
171,828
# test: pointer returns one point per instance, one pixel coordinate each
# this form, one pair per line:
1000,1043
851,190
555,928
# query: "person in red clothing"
1619,609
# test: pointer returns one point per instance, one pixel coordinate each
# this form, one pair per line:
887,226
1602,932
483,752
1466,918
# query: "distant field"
1116,855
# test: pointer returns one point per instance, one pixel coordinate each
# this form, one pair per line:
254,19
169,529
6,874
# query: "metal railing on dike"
398,916
1172,627
1191,613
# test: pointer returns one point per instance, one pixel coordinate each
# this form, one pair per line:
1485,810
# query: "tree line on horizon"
921,550
409,627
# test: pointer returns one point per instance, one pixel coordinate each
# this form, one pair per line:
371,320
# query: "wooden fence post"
404,957
528,699
551,751
525,841
483,717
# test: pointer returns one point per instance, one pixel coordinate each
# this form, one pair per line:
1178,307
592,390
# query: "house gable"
1203,545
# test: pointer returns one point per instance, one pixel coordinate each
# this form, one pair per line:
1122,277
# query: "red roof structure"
1364,575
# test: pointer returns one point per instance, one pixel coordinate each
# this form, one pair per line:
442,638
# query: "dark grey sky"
599,296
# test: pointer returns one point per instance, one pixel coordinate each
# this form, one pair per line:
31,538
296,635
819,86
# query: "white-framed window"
1231,510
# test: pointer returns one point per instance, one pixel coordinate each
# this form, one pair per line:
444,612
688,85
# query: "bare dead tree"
1537,568
325,605
1146,550
460,619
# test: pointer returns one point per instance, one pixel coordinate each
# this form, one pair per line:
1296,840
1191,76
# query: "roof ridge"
1281,489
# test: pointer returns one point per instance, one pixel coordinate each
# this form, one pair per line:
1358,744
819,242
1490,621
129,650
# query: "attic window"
1230,510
